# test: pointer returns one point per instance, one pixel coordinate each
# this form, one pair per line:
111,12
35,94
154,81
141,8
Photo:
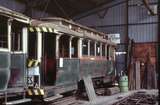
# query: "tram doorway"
49,58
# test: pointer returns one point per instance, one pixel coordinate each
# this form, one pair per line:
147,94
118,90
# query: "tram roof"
73,23
14,15
58,27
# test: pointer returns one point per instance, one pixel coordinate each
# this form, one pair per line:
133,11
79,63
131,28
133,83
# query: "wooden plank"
58,96
89,88
138,77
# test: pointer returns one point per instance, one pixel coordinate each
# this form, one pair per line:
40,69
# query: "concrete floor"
109,100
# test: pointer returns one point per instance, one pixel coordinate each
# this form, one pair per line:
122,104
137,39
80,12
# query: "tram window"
92,49
16,37
64,46
32,45
74,47
103,50
98,49
3,33
85,47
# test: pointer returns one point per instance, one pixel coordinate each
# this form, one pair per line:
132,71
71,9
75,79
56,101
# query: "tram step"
18,101
53,98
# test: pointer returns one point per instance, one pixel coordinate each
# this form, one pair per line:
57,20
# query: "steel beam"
99,8
146,4
158,59
123,25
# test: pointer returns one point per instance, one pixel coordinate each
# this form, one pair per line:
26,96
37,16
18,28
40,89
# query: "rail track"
139,98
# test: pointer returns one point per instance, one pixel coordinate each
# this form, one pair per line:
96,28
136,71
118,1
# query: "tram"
67,52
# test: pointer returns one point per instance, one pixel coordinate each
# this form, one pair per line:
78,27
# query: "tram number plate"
30,81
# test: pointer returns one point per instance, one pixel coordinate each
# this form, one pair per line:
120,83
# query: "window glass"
85,47
103,49
32,45
3,33
16,36
92,49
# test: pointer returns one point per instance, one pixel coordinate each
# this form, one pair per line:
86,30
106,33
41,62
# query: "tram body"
67,52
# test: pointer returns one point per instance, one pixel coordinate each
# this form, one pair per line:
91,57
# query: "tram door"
49,58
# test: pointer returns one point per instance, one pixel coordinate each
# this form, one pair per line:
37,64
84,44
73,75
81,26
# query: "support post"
9,34
80,47
89,47
57,45
158,58
126,31
101,50
95,48
106,50
25,50
70,47
25,40
39,47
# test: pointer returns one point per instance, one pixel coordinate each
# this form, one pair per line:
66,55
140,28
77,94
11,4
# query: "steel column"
158,35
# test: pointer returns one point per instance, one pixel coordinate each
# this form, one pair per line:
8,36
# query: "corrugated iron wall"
141,26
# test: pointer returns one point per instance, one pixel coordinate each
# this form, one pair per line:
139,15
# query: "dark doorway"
49,59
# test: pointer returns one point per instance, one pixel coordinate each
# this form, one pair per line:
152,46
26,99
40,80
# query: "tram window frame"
16,36
84,47
3,32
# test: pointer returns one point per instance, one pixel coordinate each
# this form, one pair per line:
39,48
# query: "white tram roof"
61,25
14,15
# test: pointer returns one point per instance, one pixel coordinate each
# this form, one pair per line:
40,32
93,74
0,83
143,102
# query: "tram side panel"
4,69
67,74
101,71
94,68
18,68
4,53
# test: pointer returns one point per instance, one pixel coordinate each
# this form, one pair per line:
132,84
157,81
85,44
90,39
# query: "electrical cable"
45,8
62,10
